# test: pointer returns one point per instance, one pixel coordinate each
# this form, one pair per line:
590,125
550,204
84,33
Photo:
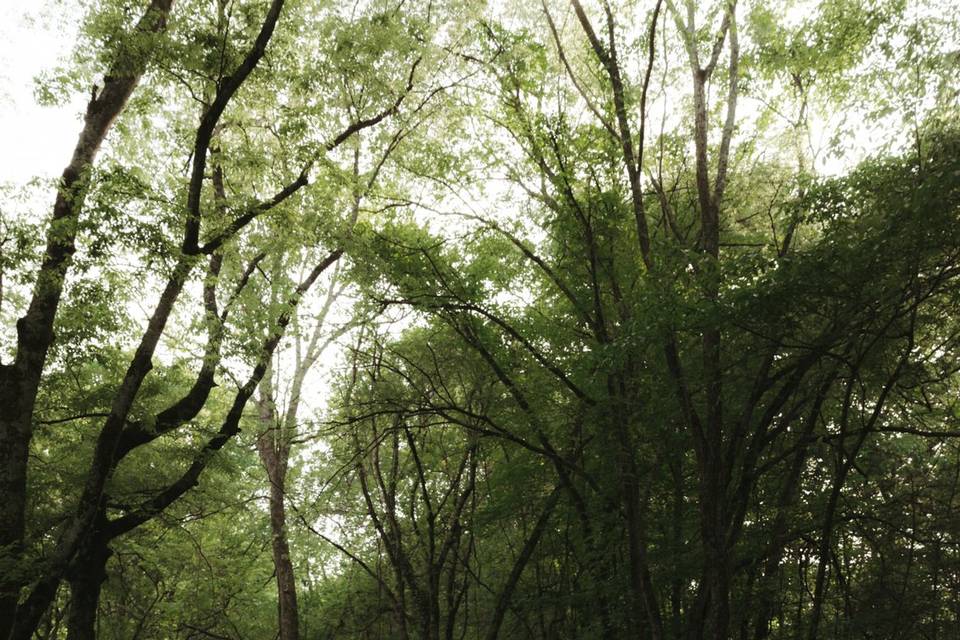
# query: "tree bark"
20,380
86,578
273,447
286,583
529,546
274,456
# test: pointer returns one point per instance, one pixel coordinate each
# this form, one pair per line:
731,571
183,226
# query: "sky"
36,141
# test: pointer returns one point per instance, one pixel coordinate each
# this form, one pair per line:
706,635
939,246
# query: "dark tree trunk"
764,609
86,578
14,445
286,582
506,593
20,380
647,609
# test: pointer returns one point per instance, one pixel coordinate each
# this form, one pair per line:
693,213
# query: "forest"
478,320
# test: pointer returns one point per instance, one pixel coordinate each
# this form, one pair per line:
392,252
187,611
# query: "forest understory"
466,320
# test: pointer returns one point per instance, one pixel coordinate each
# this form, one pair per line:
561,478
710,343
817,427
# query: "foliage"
629,336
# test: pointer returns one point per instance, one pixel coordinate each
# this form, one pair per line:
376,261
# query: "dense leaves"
445,320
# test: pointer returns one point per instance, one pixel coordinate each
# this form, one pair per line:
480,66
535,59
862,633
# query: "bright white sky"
35,35
35,140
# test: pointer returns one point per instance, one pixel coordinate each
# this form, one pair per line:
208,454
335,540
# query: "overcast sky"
36,35
36,141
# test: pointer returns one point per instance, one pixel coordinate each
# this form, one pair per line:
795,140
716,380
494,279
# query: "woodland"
465,320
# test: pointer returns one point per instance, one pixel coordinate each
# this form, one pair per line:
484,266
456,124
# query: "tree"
717,342
219,57
643,345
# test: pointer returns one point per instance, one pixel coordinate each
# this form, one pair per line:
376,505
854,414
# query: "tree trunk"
647,609
506,592
274,455
273,446
778,540
86,577
20,380
14,445
286,583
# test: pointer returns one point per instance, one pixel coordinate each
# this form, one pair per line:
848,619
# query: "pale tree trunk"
711,617
274,454
274,445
